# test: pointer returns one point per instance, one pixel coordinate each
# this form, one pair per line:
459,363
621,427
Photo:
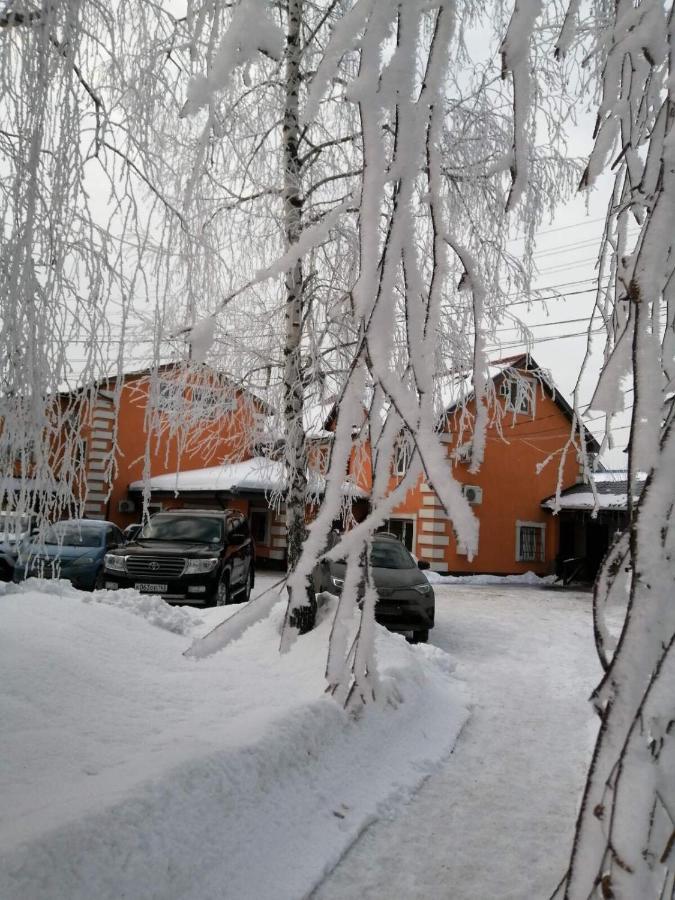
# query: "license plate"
152,588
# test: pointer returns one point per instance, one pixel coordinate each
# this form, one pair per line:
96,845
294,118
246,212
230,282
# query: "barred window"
530,541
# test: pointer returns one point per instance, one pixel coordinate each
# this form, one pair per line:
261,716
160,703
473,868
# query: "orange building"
125,432
530,423
516,533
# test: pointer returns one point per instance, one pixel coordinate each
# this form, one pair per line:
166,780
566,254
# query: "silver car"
406,601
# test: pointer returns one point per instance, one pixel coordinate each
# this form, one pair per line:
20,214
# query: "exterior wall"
512,492
196,447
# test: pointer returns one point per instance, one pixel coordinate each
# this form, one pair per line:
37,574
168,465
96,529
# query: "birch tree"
418,159
624,845
77,205
337,182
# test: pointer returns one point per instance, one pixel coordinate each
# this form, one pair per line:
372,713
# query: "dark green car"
406,601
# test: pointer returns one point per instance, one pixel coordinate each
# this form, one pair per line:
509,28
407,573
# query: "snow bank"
528,578
178,619
129,770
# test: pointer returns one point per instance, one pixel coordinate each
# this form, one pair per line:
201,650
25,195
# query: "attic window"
520,395
212,402
401,460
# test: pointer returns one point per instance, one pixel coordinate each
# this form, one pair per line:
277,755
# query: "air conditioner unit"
126,506
473,493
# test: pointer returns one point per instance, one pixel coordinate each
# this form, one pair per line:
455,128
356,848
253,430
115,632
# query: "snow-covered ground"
496,820
129,770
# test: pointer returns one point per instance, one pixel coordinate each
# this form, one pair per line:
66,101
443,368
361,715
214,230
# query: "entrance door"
403,529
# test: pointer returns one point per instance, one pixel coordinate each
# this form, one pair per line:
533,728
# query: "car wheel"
421,636
248,586
99,583
5,572
223,591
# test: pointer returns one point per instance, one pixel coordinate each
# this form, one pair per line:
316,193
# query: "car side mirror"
422,564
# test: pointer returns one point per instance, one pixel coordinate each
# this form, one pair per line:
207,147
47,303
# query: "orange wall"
187,449
512,491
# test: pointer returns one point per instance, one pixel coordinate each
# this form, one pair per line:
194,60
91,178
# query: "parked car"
14,528
132,531
406,601
72,549
195,556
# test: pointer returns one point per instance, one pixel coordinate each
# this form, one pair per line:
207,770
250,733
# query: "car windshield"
72,535
388,555
183,528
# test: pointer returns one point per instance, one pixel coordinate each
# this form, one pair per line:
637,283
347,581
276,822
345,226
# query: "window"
165,527
238,530
24,457
401,459
73,534
259,519
520,395
113,537
169,393
388,555
403,529
530,541
80,453
322,457
212,402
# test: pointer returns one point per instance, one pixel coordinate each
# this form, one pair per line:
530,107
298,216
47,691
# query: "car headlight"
115,563
422,588
200,566
337,582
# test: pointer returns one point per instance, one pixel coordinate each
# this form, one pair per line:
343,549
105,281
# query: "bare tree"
76,213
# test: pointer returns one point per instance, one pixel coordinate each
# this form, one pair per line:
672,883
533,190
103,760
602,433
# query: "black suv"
197,556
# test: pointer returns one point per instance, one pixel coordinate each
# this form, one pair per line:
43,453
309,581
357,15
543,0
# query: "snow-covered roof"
315,417
256,474
611,493
460,390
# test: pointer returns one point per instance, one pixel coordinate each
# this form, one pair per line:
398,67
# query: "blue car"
73,550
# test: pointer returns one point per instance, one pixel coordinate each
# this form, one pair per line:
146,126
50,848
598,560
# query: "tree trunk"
296,455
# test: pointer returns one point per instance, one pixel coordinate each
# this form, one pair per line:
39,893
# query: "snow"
527,578
201,338
256,474
127,769
586,500
240,47
497,819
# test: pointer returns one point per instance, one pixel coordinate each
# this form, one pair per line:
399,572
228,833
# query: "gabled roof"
499,370
108,382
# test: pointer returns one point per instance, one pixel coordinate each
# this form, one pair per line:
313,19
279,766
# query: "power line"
570,264
548,251
563,228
